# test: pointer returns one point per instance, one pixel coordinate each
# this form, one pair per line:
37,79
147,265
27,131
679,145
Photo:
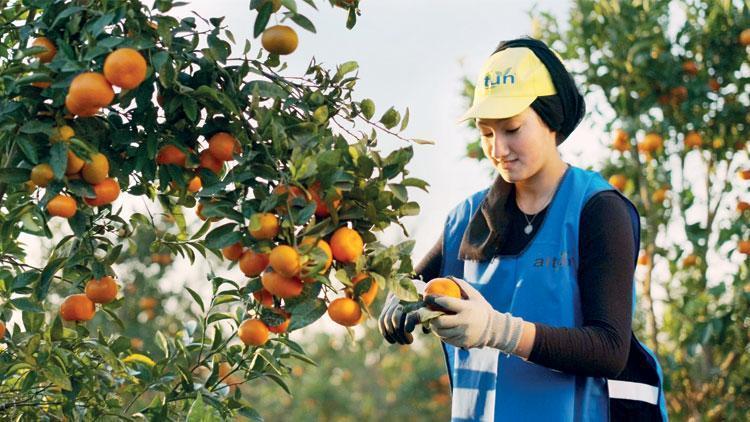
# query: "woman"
545,259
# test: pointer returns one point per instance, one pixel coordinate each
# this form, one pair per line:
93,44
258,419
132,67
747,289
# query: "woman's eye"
513,130
486,135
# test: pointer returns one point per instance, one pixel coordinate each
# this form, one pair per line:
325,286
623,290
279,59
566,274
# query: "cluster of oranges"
81,307
284,271
284,268
222,147
87,94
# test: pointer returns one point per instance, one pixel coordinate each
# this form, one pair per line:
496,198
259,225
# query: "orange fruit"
78,109
106,192
618,181
659,195
46,56
2,329
233,252
621,141
103,290
279,39
369,296
283,287
264,297
75,163
284,259
690,67
90,90
269,226
147,302
77,307
690,260
170,154
62,206
745,37
744,247
442,287
210,162
253,263
743,206
345,311
714,84
96,170
321,209
223,145
125,67
346,245
651,142
280,328
643,259
41,84
62,133
253,332
195,184
693,140
291,192
136,343
678,94
322,244
744,174
42,174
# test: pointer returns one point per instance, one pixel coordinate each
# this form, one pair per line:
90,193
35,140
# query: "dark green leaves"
223,236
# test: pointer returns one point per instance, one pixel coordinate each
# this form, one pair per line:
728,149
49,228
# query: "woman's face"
517,146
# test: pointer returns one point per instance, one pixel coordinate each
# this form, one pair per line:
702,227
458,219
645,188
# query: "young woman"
545,260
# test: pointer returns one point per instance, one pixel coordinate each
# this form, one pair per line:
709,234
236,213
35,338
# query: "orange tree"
106,100
677,91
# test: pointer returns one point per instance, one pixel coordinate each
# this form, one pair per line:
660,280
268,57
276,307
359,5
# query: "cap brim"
497,108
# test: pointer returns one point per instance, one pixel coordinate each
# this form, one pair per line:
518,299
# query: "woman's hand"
474,323
393,322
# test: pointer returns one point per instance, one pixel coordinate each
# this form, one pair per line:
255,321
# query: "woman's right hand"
392,321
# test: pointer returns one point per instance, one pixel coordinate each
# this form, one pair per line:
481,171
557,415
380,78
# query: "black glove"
393,323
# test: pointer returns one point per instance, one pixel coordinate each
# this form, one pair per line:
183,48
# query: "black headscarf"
561,112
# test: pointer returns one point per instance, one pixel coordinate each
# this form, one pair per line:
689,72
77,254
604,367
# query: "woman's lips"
507,163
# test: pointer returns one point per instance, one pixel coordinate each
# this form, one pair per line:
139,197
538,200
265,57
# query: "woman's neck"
536,192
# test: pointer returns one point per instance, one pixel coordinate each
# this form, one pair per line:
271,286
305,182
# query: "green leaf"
417,183
303,22
278,380
161,341
200,412
266,89
409,209
344,69
264,14
14,175
196,298
305,313
218,316
223,236
390,118
46,278
25,304
368,108
405,120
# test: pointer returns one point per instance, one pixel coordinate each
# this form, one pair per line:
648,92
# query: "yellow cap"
509,82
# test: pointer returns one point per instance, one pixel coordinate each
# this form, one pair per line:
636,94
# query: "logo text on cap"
492,80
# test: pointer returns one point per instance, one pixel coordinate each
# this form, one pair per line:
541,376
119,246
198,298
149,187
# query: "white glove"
475,323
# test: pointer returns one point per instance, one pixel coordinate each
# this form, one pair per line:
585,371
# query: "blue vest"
538,285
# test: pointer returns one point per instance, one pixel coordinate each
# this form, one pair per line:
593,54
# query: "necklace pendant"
528,229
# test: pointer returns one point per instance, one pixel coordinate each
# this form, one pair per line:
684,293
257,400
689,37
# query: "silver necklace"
529,226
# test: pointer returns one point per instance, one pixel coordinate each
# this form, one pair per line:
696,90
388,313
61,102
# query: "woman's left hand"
475,323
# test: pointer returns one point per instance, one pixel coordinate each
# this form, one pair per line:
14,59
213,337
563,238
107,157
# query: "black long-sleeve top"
605,276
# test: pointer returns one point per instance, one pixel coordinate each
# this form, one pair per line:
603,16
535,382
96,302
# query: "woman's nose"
499,147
